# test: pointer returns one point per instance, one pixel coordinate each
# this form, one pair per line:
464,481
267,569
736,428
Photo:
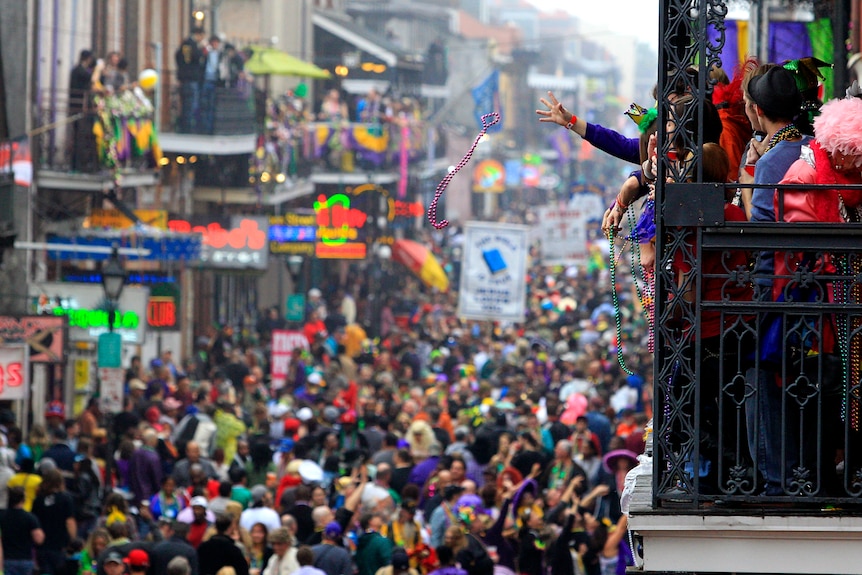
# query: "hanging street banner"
563,233
284,341
493,272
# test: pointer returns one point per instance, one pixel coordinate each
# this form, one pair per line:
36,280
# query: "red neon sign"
11,376
162,312
337,222
248,234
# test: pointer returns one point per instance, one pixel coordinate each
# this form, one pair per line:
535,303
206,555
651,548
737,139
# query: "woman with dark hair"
166,503
55,509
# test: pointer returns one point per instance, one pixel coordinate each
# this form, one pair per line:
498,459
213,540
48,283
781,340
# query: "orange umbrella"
419,260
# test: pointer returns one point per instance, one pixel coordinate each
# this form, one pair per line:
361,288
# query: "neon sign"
162,312
242,244
97,318
489,176
409,209
337,222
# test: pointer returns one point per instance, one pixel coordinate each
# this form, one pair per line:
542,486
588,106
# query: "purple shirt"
145,474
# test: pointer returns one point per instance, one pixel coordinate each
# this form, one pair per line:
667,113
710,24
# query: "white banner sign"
111,380
493,272
283,343
563,233
14,372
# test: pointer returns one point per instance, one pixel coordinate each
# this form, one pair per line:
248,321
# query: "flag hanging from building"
486,97
20,161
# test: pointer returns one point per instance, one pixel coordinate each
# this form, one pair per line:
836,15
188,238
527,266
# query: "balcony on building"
705,503
95,142
230,129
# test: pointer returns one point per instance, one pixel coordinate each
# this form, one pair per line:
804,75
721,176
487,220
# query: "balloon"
148,79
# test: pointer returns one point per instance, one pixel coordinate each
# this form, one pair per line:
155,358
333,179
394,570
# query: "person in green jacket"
373,550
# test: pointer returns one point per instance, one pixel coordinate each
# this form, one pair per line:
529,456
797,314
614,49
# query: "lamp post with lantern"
113,281
110,354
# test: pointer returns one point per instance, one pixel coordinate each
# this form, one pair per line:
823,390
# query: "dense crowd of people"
443,445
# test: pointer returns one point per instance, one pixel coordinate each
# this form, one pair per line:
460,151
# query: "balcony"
347,152
107,142
230,128
739,362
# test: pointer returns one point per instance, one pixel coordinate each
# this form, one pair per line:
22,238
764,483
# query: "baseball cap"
400,561
138,384
258,492
55,409
199,501
138,558
113,557
332,530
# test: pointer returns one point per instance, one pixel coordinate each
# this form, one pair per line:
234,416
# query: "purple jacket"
613,143
145,474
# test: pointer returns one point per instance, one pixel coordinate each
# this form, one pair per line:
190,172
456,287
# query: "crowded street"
439,287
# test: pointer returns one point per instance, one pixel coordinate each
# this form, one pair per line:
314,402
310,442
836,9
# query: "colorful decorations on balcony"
124,130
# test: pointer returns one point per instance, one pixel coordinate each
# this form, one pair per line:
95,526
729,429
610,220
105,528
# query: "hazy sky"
637,18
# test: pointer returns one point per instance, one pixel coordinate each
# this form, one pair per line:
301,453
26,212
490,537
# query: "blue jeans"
769,427
18,566
190,95
208,111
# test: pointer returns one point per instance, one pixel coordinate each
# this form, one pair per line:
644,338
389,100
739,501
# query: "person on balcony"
190,61
231,67
833,158
83,145
212,79
775,99
370,108
333,109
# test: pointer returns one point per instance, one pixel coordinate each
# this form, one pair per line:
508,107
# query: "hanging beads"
441,187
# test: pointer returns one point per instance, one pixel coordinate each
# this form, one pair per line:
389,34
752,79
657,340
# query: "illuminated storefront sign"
292,234
44,335
163,307
408,209
115,219
13,372
86,310
240,243
97,318
489,176
338,227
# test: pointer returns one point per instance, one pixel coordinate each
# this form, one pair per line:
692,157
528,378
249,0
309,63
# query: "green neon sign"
98,318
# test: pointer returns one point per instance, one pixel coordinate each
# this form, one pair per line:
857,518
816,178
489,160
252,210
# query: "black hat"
400,560
452,490
776,93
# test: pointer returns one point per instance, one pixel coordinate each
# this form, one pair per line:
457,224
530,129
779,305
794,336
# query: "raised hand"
555,113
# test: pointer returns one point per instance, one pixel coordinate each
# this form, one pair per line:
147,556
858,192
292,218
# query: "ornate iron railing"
757,374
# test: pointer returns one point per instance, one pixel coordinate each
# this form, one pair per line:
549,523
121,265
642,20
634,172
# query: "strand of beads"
645,285
441,187
616,302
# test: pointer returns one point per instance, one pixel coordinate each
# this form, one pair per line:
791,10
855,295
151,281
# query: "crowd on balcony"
796,140
111,116
368,133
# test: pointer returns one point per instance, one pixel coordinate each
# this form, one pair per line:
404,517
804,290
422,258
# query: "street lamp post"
294,267
113,281
382,254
